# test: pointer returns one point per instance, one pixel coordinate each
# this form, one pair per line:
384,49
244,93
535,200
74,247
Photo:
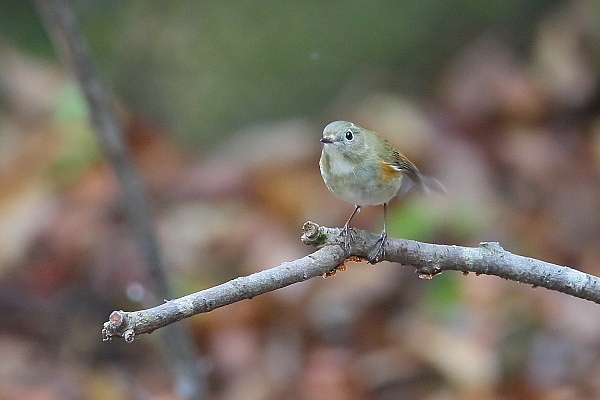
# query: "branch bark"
428,259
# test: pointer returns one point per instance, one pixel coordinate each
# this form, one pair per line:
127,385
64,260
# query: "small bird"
361,167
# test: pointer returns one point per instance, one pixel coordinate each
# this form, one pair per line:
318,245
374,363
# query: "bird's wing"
399,162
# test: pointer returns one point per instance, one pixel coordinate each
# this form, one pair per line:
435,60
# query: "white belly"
357,184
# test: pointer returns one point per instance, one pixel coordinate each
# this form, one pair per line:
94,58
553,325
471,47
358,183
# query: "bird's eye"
349,135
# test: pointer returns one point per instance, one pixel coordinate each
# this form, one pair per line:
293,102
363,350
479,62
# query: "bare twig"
62,27
130,324
428,259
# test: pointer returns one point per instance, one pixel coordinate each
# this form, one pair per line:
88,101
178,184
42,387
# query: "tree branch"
428,259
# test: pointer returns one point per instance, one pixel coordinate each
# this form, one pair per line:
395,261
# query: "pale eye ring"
349,135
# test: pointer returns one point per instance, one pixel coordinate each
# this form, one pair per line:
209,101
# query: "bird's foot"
346,233
378,252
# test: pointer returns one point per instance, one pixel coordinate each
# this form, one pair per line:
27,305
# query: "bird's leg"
346,230
378,252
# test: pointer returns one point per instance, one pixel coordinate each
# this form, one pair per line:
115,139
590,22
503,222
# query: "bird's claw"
378,253
346,233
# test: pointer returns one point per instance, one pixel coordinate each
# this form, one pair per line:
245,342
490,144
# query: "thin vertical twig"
62,27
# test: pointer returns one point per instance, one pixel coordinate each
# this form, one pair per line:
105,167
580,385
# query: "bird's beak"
326,140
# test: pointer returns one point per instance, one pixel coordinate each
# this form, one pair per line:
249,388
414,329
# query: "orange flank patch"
388,171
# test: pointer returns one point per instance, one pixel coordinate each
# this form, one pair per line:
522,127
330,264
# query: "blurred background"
223,105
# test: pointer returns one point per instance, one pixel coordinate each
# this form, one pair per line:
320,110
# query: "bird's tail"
430,185
425,184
